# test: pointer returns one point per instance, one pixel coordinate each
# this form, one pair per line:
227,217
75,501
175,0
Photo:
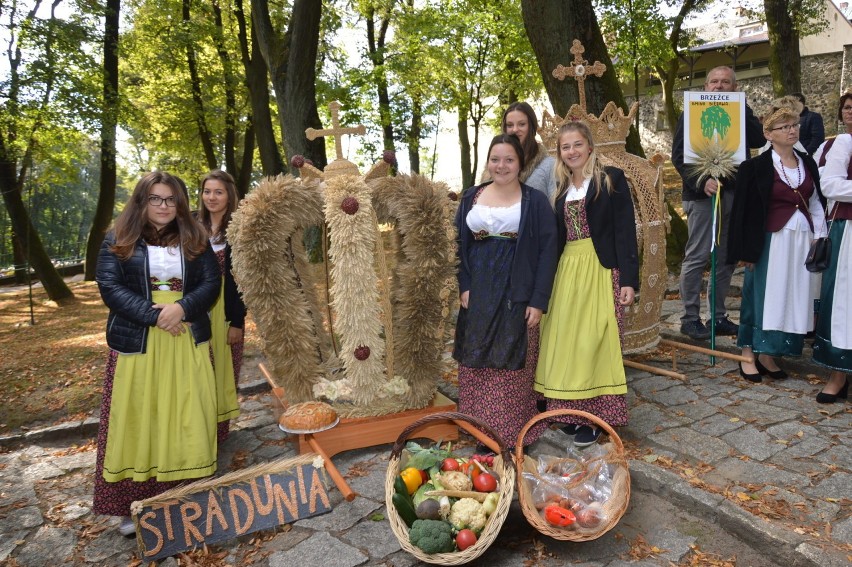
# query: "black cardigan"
612,224
125,287
755,178
534,264
235,309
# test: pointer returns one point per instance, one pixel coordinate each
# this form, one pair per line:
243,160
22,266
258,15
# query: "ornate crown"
610,130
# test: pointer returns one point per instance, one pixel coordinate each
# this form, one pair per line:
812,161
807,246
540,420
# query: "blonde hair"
784,108
592,169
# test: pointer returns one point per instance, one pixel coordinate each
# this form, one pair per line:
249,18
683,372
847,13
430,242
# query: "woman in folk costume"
833,341
159,278
507,259
519,119
775,217
844,115
580,365
227,317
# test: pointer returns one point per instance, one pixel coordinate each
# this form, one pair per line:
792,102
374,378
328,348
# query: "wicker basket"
614,507
503,466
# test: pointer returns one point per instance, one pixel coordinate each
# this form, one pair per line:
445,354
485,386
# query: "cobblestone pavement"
718,465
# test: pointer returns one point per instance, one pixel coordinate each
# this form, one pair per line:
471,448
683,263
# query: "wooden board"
360,432
220,509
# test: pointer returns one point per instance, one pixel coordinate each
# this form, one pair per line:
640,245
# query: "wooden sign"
220,509
716,118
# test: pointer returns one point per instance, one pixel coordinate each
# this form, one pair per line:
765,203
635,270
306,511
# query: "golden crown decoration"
609,130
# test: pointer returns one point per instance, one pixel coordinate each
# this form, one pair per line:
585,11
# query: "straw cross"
579,70
335,130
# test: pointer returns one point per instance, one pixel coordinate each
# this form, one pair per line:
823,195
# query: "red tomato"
450,464
485,482
558,516
425,476
465,539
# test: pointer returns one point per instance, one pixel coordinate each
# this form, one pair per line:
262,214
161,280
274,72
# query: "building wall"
824,78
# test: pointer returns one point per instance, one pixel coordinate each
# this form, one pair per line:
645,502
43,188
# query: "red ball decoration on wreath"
298,161
453,196
362,352
350,207
389,156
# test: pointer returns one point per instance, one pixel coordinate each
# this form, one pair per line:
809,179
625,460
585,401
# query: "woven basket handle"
519,455
481,431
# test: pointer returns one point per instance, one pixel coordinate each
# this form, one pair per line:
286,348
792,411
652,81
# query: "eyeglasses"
156,201
786,128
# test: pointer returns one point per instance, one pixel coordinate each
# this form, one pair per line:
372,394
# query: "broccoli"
432,536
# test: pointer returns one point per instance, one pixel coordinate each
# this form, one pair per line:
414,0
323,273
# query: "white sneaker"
127,527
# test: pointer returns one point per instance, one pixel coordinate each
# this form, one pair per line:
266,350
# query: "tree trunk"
230,83
26,234
106,192
197,99
551,26
256,83
785,61
668,77
668,72
415,133
376,51
464,144
292,68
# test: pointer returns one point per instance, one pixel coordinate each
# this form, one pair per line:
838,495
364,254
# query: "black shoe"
774,374
823,398
586,436
570,429
725,327
750,377
695,330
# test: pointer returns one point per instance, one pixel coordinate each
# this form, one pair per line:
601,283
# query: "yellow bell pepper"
412,479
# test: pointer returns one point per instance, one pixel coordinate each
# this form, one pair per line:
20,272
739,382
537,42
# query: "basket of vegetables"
443,508
579,496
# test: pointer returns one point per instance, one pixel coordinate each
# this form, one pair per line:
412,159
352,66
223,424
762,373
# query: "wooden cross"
579,70
335,130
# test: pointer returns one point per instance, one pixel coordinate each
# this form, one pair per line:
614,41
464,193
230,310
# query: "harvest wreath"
375,348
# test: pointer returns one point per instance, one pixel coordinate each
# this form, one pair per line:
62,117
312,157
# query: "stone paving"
759,471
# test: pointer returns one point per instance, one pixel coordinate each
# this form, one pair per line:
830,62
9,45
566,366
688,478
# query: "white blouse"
577,193
165,262
216,246
494,220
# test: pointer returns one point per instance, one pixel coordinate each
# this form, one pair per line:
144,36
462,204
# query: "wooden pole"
702,350
654,370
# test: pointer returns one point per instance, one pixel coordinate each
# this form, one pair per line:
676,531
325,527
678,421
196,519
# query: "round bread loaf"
308,416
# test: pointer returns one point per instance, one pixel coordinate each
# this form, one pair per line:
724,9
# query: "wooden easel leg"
335,475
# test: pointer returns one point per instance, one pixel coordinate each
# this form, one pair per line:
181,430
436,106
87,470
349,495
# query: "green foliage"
636,34
160,114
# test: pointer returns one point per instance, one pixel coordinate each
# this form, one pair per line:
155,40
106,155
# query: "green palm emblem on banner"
715,118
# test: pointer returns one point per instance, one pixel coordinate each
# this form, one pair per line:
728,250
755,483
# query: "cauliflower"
468,513
454,480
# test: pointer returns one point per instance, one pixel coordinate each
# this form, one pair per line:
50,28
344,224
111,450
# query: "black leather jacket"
126,289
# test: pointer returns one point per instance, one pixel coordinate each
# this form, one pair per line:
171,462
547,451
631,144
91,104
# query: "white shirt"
494,220
577,193
164,262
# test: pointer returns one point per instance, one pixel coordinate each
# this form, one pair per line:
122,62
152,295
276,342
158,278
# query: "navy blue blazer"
534,264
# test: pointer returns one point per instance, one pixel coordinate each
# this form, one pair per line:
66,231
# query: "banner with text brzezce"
714,119
219,509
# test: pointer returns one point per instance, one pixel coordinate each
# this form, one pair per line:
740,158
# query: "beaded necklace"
798,174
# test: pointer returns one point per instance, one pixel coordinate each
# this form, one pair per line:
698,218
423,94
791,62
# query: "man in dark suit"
811,127
697,204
